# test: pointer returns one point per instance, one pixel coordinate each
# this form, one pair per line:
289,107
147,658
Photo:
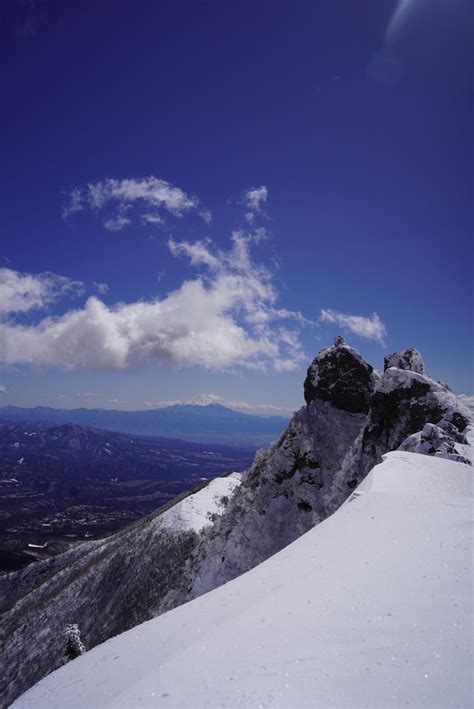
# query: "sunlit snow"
373,607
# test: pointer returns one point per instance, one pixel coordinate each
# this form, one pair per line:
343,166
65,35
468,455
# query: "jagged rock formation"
402,403
328,448
433,440
352,417
407,359
341,376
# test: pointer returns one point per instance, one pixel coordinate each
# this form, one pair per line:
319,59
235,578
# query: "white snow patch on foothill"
373,607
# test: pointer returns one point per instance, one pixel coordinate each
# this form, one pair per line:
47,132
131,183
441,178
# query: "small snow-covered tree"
74,644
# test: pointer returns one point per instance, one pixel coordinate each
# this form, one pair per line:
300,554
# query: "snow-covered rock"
281,497
402,403
352,418
371,608
409,358
432,440
341,376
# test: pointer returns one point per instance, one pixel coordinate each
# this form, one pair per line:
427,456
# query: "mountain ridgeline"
64,483
212,423
353,415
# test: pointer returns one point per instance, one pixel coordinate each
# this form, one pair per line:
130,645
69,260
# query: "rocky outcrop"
286,490
433,440
351,418
409,359
402,404
281,497
341,376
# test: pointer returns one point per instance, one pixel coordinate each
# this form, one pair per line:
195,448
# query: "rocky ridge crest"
351,418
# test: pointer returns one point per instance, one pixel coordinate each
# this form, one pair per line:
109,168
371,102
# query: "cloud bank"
371,328
225,317
121,201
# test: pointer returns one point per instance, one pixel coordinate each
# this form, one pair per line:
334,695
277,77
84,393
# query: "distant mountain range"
62,483
210,423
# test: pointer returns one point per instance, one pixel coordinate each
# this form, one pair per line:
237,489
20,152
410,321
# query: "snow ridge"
353,417
372,608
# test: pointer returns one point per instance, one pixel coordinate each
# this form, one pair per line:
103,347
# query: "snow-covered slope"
353,416
105,586
373,607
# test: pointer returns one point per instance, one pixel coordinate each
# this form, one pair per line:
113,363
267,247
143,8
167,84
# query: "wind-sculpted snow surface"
352,418
372,608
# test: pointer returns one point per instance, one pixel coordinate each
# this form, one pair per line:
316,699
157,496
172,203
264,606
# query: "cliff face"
285,492
353,416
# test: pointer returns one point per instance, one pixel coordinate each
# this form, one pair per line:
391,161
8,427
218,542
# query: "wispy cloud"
120,201
101,287
3,389
151,218
255,199
370,327
116,223
22,292
225,317
206,215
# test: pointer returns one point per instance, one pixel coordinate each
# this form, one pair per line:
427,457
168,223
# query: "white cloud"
254,201
256,198
226,317
116,223
3,389
206,215
150,218
101,287
21,292
120,200
61,397
372,328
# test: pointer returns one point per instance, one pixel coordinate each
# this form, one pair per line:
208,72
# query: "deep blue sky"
363,141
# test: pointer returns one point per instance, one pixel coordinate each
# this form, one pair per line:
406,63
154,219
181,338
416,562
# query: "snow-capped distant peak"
204,400
201,400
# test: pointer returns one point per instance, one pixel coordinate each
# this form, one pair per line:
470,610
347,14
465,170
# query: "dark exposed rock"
407,409
459,420
341,376
409,359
